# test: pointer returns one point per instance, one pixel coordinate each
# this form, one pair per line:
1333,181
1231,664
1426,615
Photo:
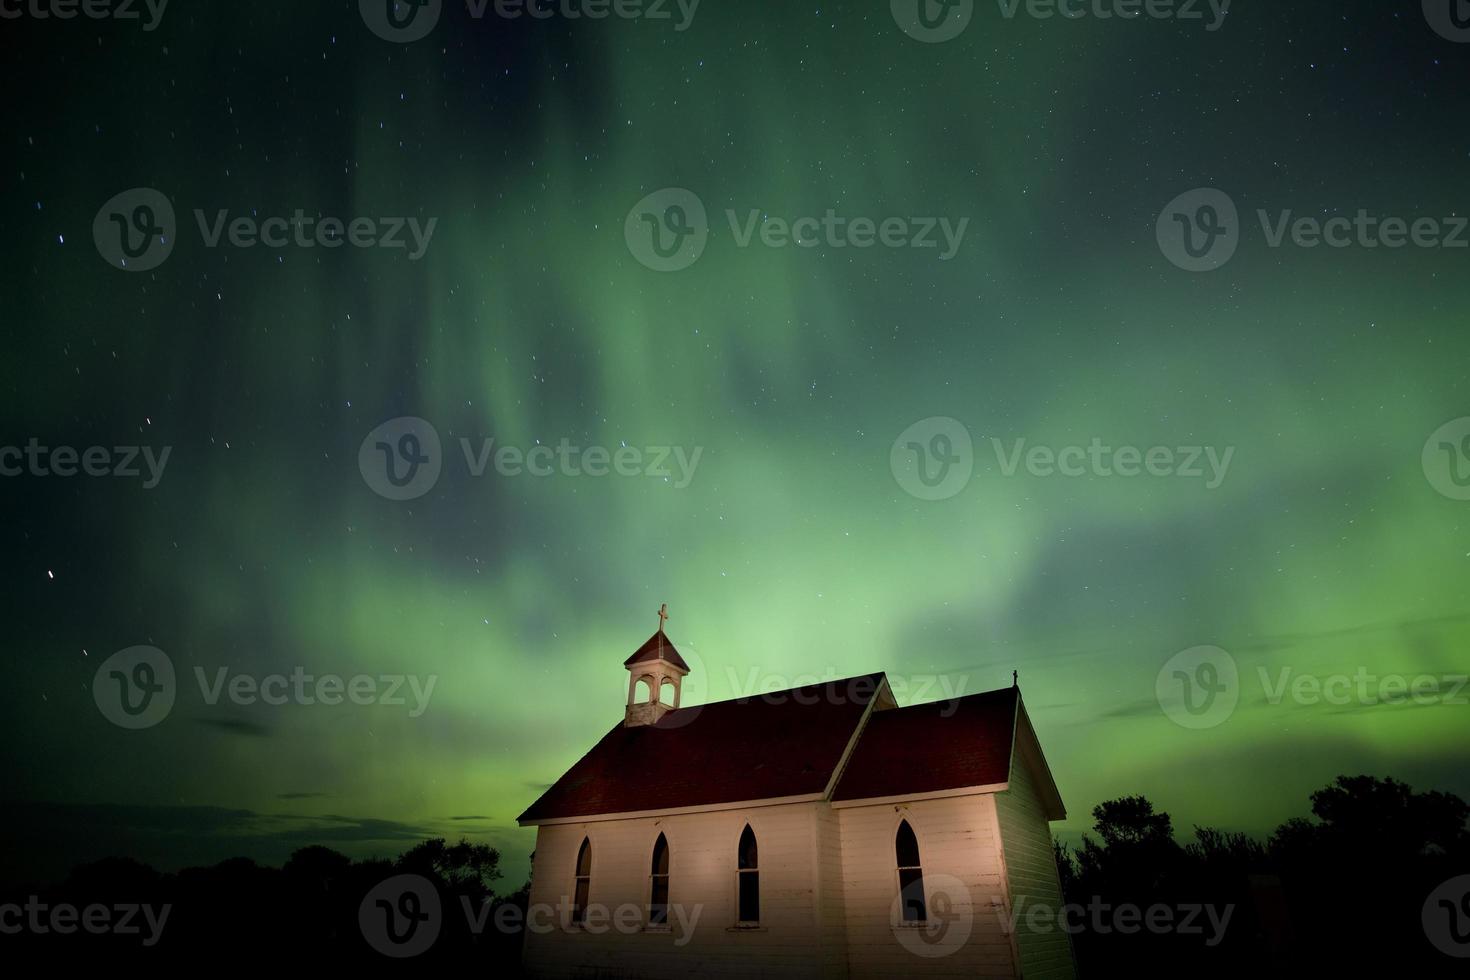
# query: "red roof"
925,748
762,747
657,647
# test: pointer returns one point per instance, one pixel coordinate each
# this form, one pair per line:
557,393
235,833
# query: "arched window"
584,882
910,875
658,892
749,876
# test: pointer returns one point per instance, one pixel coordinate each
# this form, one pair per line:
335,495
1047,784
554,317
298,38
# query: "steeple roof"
657,647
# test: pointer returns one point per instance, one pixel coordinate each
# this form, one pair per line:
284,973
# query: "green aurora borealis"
794,552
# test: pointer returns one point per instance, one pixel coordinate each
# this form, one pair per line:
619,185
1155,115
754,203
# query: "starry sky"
800,542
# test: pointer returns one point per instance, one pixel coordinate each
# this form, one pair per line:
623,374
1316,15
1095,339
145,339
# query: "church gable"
770,746
929,748
842,741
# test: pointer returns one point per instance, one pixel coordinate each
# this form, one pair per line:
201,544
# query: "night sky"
826,521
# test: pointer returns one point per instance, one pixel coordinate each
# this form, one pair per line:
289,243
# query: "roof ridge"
771,694
963,697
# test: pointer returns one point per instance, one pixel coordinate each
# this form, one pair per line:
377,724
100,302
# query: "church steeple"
654,664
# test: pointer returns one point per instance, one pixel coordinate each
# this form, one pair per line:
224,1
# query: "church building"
818,831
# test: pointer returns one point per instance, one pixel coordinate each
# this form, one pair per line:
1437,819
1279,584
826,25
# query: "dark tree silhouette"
1341,892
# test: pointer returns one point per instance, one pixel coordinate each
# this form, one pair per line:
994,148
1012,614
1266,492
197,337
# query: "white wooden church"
821,831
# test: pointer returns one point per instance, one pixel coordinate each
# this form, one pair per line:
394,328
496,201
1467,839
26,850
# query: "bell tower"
654,664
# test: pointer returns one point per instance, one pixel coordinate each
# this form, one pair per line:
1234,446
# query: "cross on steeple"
663,614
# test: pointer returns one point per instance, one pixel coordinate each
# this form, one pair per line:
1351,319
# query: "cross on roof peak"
663,614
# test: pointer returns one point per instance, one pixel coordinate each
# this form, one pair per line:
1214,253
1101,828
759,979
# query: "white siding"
963,882
1032,871
792,940
829,890
831,912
